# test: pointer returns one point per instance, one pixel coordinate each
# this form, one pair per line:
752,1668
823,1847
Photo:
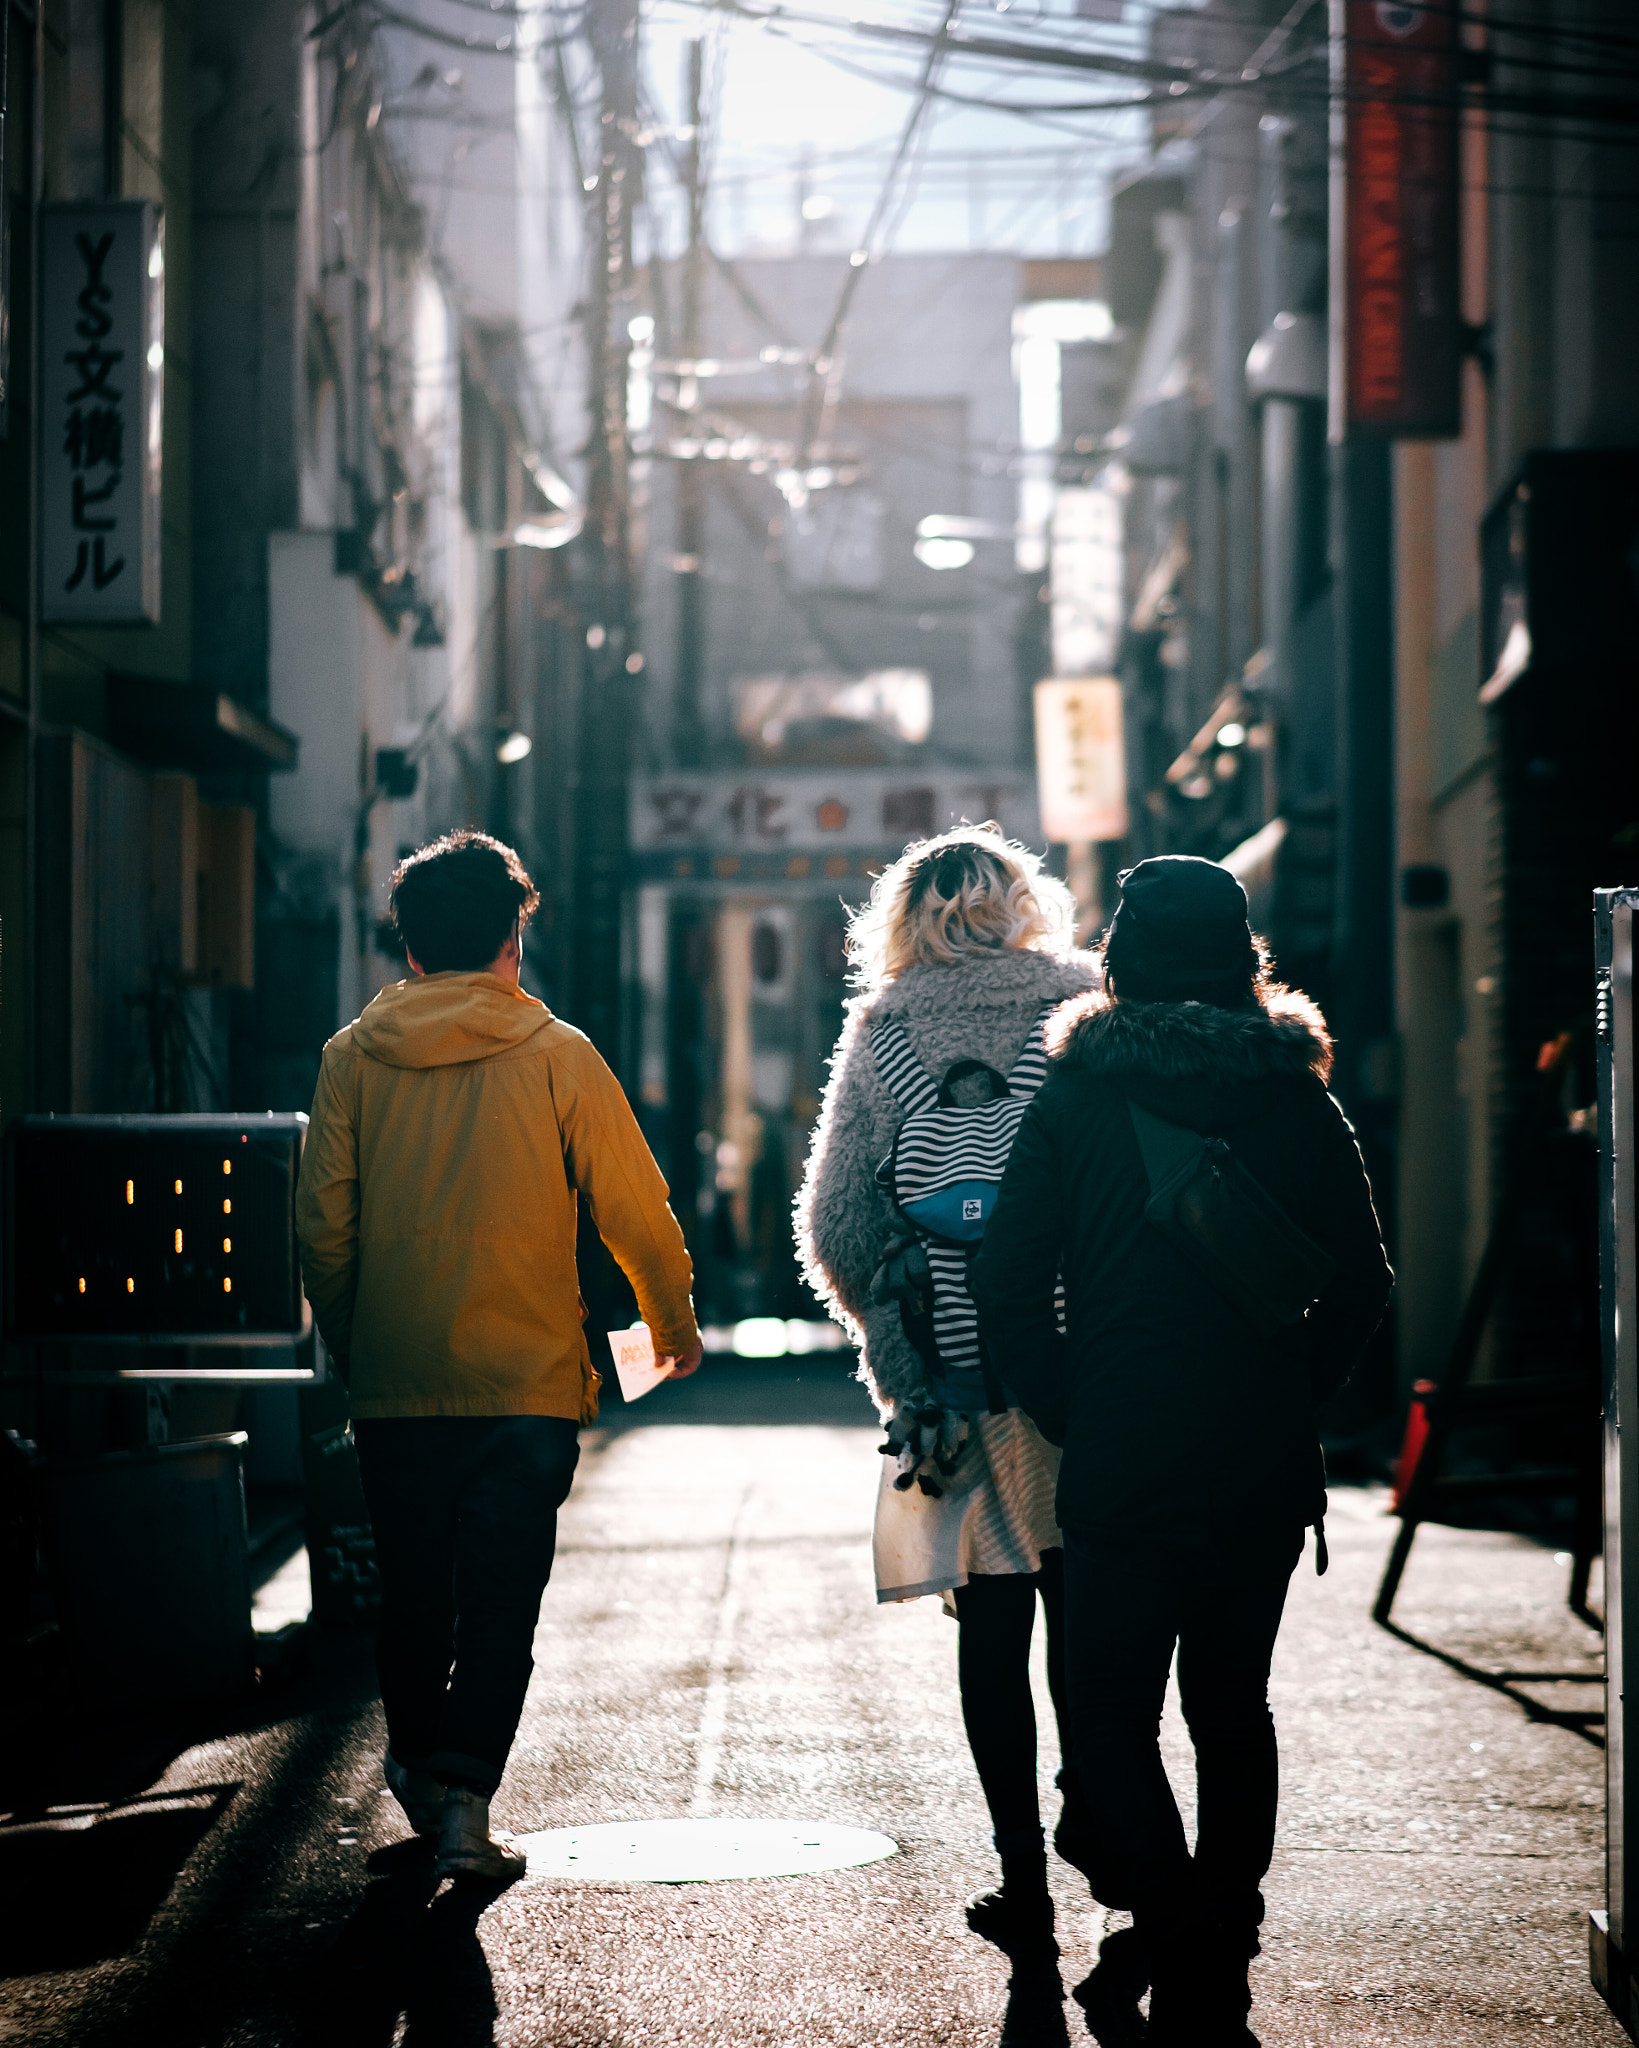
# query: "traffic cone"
1411,1449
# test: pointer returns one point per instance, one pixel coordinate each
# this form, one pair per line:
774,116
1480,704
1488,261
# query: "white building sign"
102,357
819,811
1081,763
1089,563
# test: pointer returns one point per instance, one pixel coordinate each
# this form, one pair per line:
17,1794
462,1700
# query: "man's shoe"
418,1792
1018,1922
466,1848
1035,2008
1109,1996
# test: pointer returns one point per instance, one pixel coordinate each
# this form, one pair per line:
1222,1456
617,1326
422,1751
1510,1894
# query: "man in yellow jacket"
455,1125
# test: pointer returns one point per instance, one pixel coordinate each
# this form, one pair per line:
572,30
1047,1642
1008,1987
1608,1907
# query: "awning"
194,726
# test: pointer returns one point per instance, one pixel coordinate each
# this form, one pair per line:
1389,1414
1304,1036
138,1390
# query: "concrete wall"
1549,229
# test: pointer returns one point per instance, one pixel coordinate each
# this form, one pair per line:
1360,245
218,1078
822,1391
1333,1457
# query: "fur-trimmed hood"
997,980
1284,1037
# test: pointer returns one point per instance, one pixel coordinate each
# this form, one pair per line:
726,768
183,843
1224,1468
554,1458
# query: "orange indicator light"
227,1244
130,1190
82,1286
179,1240
227,1166
179,1187
130,1287
227,1208
227,1286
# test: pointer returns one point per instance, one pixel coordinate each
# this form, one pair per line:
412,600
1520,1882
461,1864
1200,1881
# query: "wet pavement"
710,1646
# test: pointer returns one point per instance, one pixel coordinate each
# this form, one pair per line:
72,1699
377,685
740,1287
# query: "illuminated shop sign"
102,374
1401,317
154,1229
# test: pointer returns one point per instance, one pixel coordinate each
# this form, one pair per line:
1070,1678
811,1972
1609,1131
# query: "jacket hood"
447,1020
1002,980
1284,1037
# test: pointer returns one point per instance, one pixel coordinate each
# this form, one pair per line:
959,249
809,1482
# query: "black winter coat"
1180,1424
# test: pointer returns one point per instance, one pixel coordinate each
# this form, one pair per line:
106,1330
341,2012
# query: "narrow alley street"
709,1647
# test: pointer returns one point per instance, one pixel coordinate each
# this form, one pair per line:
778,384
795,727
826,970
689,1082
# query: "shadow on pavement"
82,1887
754,1392
1586,1722
407,1956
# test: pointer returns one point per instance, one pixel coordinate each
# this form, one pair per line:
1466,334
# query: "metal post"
1614,1933
610,655
687,742
1363,927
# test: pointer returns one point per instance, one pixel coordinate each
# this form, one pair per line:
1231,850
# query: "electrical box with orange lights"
177,1230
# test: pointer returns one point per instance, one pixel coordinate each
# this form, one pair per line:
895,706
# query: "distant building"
837,698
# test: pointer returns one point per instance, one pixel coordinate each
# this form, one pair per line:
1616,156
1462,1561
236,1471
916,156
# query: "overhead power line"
861,255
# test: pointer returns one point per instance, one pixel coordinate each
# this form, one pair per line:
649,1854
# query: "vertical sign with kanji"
102,372
1081,760
1395,78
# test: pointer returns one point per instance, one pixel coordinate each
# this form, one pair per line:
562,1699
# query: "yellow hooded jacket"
453,1126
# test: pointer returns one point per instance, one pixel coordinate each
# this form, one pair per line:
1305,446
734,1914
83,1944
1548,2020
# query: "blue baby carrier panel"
944,1173
959,1212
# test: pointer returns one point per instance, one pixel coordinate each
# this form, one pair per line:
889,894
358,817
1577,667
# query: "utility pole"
610,656
687,746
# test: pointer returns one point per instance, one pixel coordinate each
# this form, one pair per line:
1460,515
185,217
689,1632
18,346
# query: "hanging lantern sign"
102,358
1081,760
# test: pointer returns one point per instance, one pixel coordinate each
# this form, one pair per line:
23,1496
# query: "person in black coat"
1192,1465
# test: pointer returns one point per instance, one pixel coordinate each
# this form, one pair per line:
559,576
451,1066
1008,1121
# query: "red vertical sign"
1403,318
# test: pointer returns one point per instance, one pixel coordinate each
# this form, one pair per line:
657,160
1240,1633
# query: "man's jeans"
465,1509
1125,1609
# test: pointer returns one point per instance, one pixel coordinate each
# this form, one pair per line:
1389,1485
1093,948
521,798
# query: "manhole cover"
699,1851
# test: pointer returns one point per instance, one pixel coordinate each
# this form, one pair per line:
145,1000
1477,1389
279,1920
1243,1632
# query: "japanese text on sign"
102,363
1081,766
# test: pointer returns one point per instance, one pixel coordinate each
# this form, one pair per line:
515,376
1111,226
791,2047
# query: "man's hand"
690,1360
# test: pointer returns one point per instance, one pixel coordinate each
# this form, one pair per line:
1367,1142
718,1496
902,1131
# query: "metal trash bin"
150,1571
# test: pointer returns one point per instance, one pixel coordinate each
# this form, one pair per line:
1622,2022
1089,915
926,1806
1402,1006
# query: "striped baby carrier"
943,1175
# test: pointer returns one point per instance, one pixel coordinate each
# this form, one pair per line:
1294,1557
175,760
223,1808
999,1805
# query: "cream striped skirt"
995,1516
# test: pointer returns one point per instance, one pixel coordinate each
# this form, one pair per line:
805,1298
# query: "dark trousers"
1125,1611
465,1511
996,1616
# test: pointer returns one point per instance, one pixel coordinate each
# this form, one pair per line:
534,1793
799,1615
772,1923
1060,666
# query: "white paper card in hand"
635,1363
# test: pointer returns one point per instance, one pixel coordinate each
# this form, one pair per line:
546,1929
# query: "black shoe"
1201,1998
1019,1923
1073,1837
1109,1996
1035,2008
1183,2032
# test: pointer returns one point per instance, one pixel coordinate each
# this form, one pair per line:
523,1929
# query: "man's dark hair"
454,903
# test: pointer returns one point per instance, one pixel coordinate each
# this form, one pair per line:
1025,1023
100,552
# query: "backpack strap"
1165,1147
1029,1070
903,1074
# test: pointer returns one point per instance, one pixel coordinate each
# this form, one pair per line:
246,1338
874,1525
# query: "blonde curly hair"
962,892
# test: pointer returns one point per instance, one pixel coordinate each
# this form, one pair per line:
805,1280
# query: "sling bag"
1227,1224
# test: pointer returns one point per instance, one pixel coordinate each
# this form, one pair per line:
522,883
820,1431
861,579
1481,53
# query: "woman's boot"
1073,1837
1109,1996
1018,1915
1200,1996
1035,2005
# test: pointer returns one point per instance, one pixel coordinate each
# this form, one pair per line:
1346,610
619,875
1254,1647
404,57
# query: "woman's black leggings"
996,1616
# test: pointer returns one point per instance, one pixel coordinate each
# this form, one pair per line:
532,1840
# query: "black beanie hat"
1180,922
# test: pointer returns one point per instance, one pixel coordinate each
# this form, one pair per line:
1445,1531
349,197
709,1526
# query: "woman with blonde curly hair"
964,947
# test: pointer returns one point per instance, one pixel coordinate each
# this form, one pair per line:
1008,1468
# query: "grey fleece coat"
980,1008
